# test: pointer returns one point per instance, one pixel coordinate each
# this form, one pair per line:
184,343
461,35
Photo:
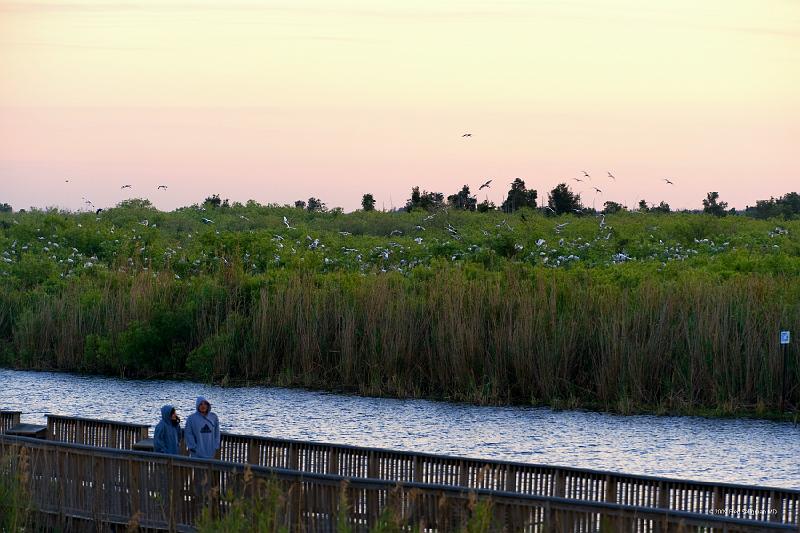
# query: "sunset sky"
279,101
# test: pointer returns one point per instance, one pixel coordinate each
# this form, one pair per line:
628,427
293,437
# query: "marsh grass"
16,507
560,337
264,506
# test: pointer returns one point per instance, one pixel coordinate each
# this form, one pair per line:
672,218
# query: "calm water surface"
736,451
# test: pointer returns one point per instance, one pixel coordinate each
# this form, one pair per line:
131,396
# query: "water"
736,451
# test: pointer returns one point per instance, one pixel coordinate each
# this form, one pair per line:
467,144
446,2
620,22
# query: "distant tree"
612,207
424,200
368,202
212,201
300,204
791,203
518,197
463,200
713,206
787,207
315,204
5,208
135,203
662,207
563,200
486,206
416,197
643,206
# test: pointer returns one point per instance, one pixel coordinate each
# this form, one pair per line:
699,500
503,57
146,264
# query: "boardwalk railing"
751,502
103,433
8,419
83,487
759,503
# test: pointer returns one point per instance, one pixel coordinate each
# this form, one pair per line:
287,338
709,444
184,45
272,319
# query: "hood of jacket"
201,399
166,411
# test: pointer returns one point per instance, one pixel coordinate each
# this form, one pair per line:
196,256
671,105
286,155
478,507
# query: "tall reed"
519,336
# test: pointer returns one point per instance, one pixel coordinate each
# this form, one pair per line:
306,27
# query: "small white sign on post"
785,336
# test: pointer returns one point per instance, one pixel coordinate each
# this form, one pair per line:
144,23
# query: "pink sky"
278,102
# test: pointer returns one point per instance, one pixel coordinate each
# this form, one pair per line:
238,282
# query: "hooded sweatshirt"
168,433
202,432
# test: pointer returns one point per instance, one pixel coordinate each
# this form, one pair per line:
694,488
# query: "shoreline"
572,405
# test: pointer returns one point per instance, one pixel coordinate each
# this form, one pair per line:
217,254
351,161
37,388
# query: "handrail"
86,419
104,433
72,481
522,478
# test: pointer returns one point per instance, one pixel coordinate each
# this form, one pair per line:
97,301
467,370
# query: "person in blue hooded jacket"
168,433
202,431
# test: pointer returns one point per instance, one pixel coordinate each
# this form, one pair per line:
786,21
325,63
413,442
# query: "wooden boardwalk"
578,499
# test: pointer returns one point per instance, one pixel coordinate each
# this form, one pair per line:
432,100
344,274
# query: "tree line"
560,200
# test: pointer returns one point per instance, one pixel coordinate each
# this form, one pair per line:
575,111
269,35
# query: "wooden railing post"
559,484
718,499
252,451
418,469
663,495
133,473
775,507
463,473
333,460
611,489
372,465
511,478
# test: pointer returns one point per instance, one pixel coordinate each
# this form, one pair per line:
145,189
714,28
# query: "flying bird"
610,175
485,185
551,209
596,189
66,181
668,182
586,174
162,187
578,179
467,135
207,220
286,223
125,187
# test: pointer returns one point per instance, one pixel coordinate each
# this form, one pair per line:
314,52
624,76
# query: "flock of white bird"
139,247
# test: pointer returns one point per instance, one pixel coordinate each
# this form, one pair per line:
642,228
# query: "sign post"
785,338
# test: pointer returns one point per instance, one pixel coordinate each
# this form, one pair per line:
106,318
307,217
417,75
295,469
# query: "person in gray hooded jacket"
202,431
